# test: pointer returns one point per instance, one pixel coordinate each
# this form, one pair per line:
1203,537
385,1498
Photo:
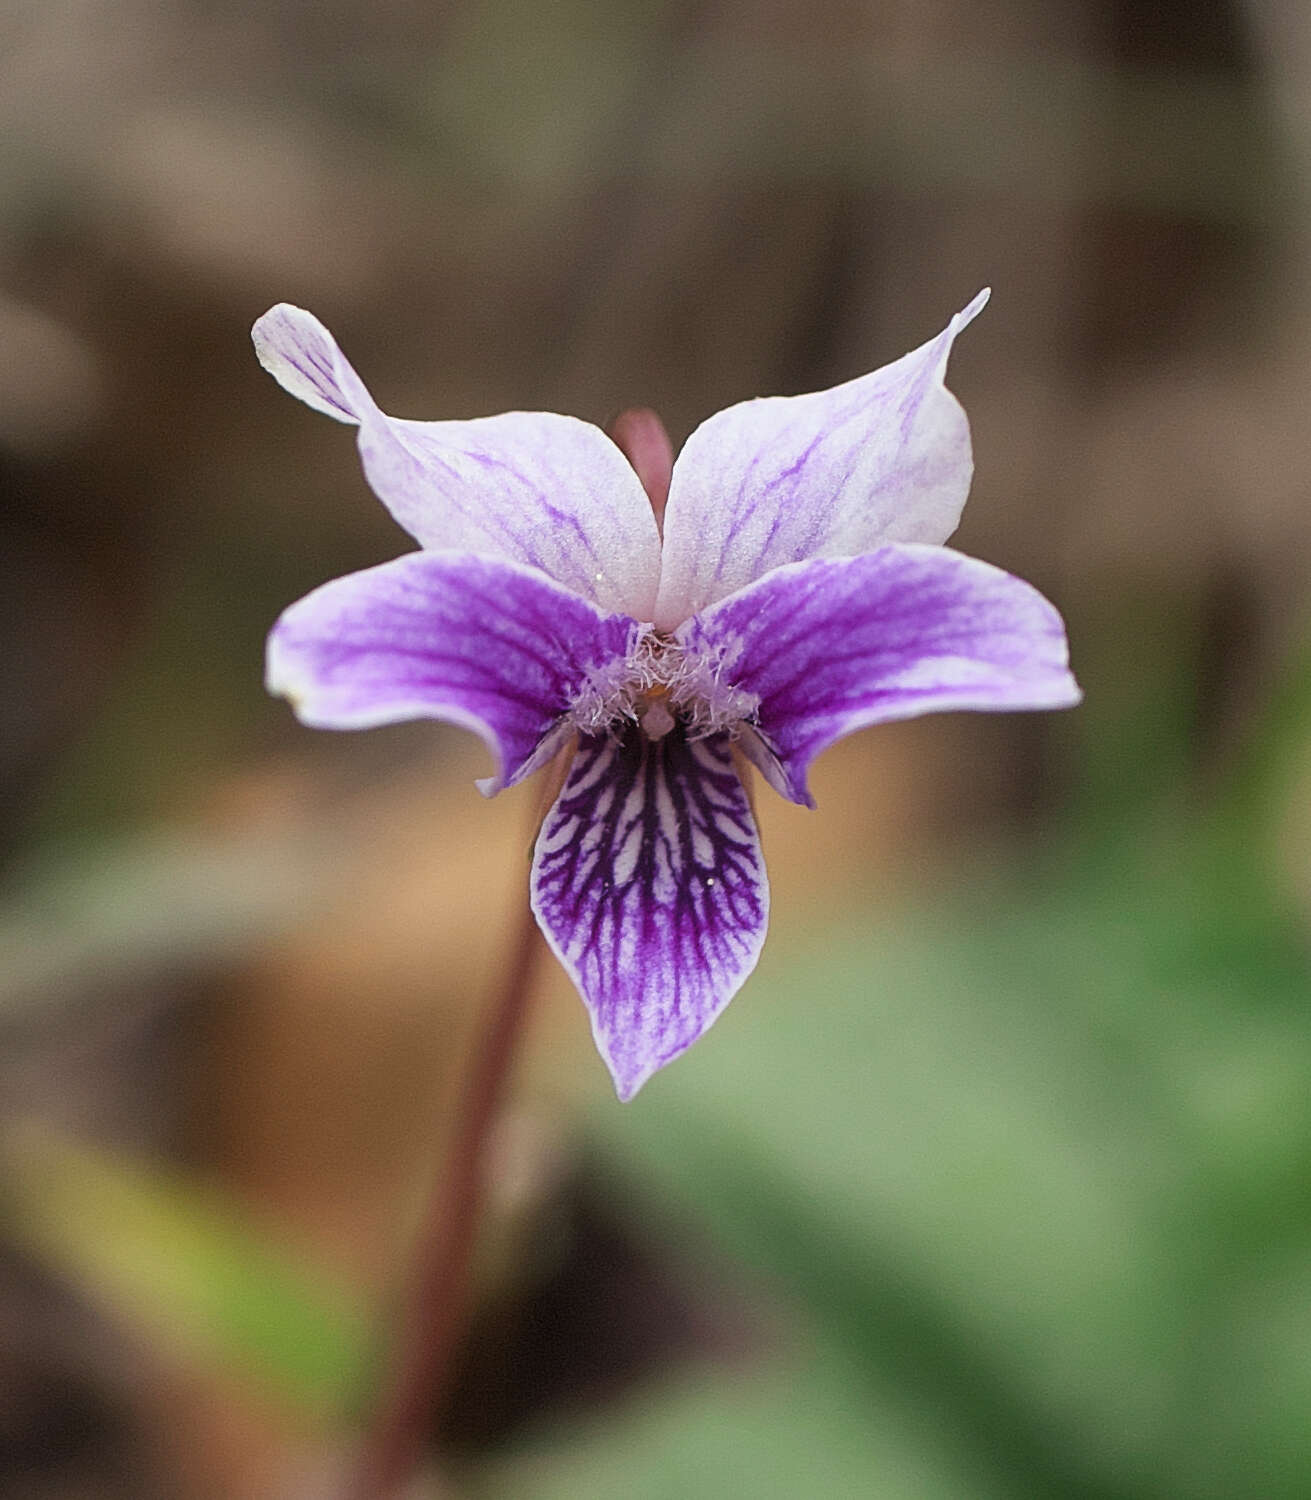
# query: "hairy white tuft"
658,684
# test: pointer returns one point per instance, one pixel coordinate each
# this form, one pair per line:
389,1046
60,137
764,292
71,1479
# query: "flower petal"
488,645
532,487
303,357
649,884
832,645
883,458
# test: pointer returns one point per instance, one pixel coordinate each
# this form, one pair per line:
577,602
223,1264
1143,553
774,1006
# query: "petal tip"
277,313
270,331
278,679
972,309
627,1086
657,914
302,356
631,1075
1072,696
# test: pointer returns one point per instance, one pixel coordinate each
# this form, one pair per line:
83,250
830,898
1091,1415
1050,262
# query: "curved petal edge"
538,488
835,644
649,885
490,646
303,357
882,458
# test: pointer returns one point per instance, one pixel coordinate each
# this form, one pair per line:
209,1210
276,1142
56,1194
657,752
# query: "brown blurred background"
253,955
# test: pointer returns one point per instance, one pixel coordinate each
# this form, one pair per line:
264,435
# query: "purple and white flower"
800,591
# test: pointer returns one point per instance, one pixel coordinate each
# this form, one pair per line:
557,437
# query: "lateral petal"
832,645
532,487
492,646
883,458
649,885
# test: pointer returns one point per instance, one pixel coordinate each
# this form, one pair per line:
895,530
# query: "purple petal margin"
649,884
884,458
833,645
490,646
530,487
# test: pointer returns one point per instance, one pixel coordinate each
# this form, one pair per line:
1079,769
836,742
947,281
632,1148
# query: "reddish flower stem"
430,1335
640,436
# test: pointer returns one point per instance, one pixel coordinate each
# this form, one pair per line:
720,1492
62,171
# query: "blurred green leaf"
1022,1162
184,1265
807,1427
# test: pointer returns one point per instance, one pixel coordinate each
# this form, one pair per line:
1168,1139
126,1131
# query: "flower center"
660,684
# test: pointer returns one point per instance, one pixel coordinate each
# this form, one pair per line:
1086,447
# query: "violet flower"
800,592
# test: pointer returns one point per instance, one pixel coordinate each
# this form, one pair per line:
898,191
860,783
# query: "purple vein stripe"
489,645
649,884
882,458
531,487
832,645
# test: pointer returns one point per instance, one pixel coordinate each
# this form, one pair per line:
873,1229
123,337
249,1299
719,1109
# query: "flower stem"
640,436
430,1334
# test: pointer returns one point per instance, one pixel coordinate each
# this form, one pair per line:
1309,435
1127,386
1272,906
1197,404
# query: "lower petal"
649,884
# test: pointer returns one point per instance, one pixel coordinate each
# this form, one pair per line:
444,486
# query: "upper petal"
832,645
489,645
303,357
533,487
883,458
649,885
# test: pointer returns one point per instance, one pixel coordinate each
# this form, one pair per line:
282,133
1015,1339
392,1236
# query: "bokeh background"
995,1182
